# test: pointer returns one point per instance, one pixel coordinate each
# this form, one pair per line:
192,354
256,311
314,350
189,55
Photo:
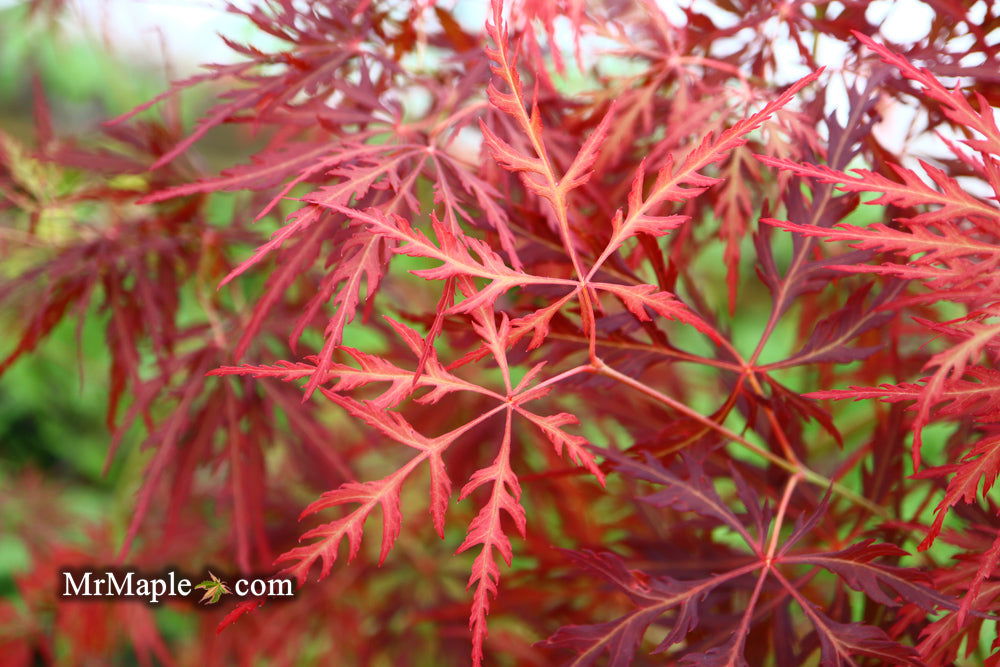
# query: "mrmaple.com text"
129,584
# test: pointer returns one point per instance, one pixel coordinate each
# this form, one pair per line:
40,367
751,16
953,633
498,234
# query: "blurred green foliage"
53,401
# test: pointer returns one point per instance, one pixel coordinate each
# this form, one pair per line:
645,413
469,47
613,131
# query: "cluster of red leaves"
518,265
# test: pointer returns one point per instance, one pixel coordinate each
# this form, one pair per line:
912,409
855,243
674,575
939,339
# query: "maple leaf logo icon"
214,589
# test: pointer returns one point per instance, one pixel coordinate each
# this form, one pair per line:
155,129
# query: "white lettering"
131,584
84,584
159,588
119,588
280,588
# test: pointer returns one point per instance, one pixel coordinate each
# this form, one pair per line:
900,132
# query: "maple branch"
529,393
454,119
953,200
739,636
659,603
513,103
810,611
806,473
372,369
667,187
678,355
839,156
780,517
486,529
369,495
776,427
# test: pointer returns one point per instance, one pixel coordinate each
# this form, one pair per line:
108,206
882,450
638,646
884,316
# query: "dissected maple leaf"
688,489
214,589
